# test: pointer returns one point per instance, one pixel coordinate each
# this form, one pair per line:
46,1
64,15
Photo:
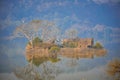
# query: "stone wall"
81,42
85,43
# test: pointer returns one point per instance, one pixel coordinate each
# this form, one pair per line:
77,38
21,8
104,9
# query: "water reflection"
86,53
39,60
48,66
46,71
27,73
66,52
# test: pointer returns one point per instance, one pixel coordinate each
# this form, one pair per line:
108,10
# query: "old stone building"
80,42
85,43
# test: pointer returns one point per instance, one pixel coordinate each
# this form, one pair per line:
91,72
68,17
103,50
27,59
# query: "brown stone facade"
85,43
81,42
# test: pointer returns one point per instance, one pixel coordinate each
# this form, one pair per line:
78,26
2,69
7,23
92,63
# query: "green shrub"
70,44
37,41
54,49
98,45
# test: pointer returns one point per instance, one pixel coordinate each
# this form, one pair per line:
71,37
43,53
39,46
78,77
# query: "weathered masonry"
80,42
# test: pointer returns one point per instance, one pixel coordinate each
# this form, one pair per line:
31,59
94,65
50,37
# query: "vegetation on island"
53,48
70,44
98,45
37,41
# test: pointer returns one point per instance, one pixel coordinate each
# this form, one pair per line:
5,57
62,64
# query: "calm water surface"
62,68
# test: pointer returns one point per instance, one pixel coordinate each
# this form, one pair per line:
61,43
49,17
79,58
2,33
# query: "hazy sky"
99,19
102,16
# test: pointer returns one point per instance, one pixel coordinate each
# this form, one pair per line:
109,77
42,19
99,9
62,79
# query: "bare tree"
36,28
54,33
71,33
46,29
24,31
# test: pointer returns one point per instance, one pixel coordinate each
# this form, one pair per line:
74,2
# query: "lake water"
62,68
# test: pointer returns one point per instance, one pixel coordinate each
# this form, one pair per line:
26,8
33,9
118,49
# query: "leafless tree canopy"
71,33
43,29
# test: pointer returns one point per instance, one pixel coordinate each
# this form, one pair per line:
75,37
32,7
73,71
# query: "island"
71,48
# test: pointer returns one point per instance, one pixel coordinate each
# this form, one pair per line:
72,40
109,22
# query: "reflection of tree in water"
72,62
28,72
37,61
46,71
49,71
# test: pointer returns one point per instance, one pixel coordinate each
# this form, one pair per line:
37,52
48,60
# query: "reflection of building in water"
39,57
85,53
